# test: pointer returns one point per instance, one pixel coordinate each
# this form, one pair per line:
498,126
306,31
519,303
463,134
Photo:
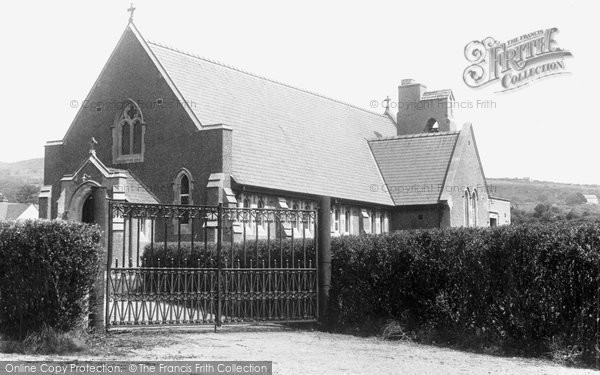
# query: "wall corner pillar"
324,248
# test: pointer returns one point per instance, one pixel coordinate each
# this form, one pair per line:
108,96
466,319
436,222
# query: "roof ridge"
417,135
264,78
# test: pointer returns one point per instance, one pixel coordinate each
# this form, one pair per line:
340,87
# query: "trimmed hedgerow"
514,286
47,269
182,254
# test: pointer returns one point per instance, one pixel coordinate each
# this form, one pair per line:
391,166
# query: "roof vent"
408,81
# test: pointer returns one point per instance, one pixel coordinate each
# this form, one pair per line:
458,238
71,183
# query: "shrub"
47,269
515,286
183,255
47,341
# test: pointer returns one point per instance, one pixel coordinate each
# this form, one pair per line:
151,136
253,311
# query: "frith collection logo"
515,63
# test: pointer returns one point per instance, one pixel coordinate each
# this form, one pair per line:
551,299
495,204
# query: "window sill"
126,159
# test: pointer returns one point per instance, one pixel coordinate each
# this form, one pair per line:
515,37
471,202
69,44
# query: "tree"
541,209
575,198
28,194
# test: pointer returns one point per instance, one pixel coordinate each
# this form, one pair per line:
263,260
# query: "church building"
163,126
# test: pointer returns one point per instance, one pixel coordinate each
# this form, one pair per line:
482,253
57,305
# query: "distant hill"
15,175
32,169
525,194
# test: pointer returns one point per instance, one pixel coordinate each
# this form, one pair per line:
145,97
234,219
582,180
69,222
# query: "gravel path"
304,352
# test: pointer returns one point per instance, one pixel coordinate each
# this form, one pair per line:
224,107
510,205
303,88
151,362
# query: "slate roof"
12,211
135,190
415,166
284,138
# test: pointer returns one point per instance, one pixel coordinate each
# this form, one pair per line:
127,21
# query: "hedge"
514,286
47,269
183,255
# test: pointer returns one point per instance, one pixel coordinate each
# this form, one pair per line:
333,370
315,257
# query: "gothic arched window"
467,206
184,190
183,187
128,135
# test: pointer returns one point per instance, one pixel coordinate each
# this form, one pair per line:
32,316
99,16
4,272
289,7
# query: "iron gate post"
219,266
97,296
109,255
324,254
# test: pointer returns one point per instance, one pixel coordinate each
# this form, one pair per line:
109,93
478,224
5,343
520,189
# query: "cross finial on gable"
387,103
131,9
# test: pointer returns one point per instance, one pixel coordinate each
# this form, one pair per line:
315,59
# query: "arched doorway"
87,211
84,203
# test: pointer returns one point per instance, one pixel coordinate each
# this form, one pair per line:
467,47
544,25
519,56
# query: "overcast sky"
354,52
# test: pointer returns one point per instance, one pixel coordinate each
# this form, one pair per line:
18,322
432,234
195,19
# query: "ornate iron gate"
187,265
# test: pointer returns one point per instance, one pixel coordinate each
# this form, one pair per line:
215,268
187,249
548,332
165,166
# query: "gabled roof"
284,138
135,190
12,211
414,166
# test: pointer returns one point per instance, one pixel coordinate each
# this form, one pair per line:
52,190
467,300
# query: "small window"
259,215
184,196
432,126
296,208
347,222
337,220
420,217
307,219
373,223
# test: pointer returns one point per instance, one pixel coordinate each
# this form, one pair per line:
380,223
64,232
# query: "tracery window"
128,135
